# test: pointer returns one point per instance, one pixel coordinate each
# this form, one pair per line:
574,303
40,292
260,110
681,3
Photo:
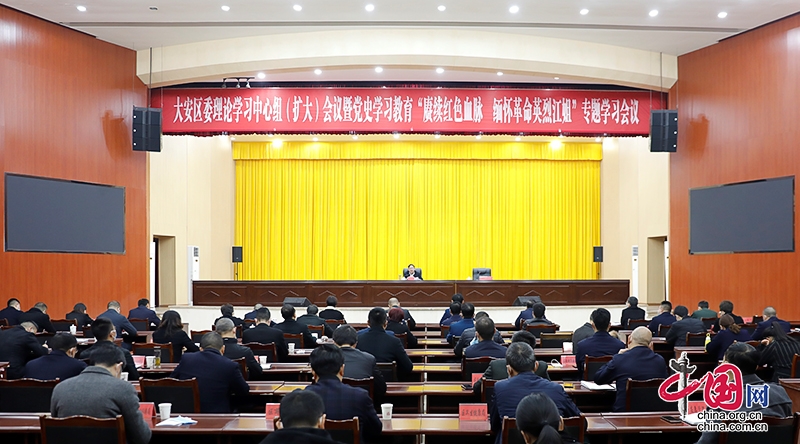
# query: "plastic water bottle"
708,338
73,329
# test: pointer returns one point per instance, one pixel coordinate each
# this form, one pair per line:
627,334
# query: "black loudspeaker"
237,255
598,254
146,129
664,131
297,302
521,301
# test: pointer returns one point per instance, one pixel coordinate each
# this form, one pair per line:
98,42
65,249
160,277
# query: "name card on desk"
138,361
472,412
148,409
476,377
748,320
568,361
273,410
695,407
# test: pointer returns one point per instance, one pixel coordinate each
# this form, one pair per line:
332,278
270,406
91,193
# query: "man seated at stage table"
341,400
235,351
291,326
311,318
11,312
726,308
397,326
457,328
676,336
538,315
484,329
227,312
302,420
252,314
637,362
60,363
395,303
385,348
455,314
770,316
103,331
358,364
703,311
38,315
217,376
79,314
98,392
122,326
520,362
18,344
412,274
330,311
457,298
262,333
468,337
143,311
664,317
600,343
631,311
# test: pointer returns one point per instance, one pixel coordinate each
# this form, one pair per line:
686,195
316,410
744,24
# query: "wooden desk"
645,422
697,352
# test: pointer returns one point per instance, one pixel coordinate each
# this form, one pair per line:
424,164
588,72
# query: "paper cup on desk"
164,410
262,359
150,361
123,376
386,410
291,347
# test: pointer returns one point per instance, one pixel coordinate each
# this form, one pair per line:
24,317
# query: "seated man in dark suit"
235,351
538,315
383,347
632,311
524,315
341,400
60,363
262,333
217,376
17,345
121,324
330,311
79,314
600,343
11,312
520,362
684,324
457,328
252,314
468,337
38,315
291,326
395,303
637,362
664,317
484,328
497,368
143,311
726,308
412,273
311,318
227,312
358,364
582,332
103,331
770,316
455,314
457,298
302,420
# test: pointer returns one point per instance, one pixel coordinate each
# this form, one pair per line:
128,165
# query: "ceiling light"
355,137
555,78
518,139
654,13
478,137
81,8
297,8
722,14
316,139
154,8
556,144
514,9
226,8
378,69
499,73
317,71
597,139
261,76
439,70
584,11
441,8
277,143
233,138
436,136
396,135
370,7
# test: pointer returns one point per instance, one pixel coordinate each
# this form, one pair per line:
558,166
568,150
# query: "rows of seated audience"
522,387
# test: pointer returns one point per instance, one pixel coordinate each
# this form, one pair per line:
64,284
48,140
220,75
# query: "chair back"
317,331
82,428
242,366
708,322
758,318
537,330
336,322
470,366
297,339
87,331
575,427
642,396
698,339
248,323
592,364
345,431
633,323
197,335
388,370
749,328
367,384
63,324
149,349
795,366
6,327
267,350
555,340
403,337
184,395
445,330
510,434
3,322
487,391
26,395
779,430
140,324
43,337
663,329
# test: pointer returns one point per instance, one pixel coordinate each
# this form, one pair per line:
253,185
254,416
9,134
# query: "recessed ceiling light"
378,69
499,73
317,71
261,76
441,8
597,139
297,8
396,135
233,138
514,9
355,137
316,139
722,14
154,8
556,78
478,137
584,11
518,139
226,8
277,143
439,70
654,13
370,7
81,8
436,136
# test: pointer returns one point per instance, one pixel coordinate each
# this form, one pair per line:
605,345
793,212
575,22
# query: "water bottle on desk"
157,360
73,329
708,338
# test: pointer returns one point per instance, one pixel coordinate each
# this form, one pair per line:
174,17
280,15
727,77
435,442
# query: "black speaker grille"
146,129
664,131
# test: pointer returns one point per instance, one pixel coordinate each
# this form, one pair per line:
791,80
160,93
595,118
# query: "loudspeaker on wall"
237,255
146,129
664,131
598,254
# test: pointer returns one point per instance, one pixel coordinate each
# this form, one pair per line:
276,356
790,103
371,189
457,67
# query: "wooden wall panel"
738,120
65,112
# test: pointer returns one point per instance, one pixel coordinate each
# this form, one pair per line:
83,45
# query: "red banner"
418,110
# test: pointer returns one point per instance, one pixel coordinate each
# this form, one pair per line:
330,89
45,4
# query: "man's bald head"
641,336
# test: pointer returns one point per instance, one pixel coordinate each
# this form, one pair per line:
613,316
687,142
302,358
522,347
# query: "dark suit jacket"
236,321
331,313
407,317
445,316
456,328
524,315
11,314
759,333
677,333
736,320
55,365
17,346
42,320
468,337
217,376
661,319
630,313
361,365
398,328
82,318
235,351
638,363
299,435
179,340
599,344
291,326
344,402
308,319
497,371
142,312
485,348
130,366
250,315
122,325
721,341
451,320
581,333
264,334
385,348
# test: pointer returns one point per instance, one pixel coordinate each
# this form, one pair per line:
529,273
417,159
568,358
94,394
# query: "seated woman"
398,326
728,334
171,331
539,422
777,350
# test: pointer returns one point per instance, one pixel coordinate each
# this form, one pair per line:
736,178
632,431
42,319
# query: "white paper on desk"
692,419
266,366
177,421
592,386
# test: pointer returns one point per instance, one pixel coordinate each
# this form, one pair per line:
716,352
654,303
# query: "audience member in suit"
770,316
676,336
497,368
330,311
664,317
171,331
227,312
235,351
302,420
291,326
99,393
538,315
600,343
38,315
341,400
632,311
455,314
60,363
217,376
383,347
11,312
484,329
457,328
581,333
726,308
394,302
468,337
508,393
121,324
397,326
79,314
143,311
262,333
457,298
358,364
252,314
777,350
637,362
103,330
311,318
703,311
524,315
728,334
412,274
744,356
539,421
17,345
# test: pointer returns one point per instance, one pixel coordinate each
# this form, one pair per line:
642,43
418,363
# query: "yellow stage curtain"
365,210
